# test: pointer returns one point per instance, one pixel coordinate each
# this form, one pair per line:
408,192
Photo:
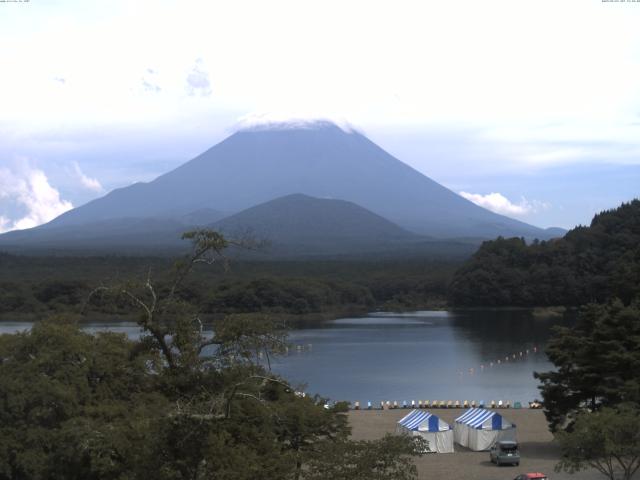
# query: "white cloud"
498,203
150,81
147,86
29,189
87,182
267,62
285,120
198,80
556,156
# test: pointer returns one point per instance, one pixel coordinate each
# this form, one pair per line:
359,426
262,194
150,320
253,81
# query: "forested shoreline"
32,287
589,264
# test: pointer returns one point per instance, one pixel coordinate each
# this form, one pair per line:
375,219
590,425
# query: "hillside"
300,223
115,234
591,263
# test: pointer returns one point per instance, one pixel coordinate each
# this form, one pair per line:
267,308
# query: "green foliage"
190,448
70,292
12,297
389,457
69,402
249,337
607,440
590,264
176,404
78,406
278,295
313,288
597,363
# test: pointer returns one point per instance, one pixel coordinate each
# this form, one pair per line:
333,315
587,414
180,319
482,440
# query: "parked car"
505,452
531,476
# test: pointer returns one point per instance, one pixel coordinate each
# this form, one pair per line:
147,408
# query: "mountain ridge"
254,166
293,226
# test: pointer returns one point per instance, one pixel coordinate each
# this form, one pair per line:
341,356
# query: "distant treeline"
43,285
590,264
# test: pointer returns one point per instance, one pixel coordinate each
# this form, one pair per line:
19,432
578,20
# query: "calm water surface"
423,355
420,355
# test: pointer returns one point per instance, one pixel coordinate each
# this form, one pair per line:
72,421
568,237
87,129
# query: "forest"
33,286
589,264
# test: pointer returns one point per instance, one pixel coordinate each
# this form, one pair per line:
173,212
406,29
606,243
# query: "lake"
423,355
431,355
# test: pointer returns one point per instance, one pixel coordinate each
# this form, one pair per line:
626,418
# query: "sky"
528,108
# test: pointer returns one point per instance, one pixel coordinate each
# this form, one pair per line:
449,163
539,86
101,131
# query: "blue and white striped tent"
479,428
428,426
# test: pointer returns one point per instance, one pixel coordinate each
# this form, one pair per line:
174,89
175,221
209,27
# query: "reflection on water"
423,355
418,314
131,329
456,355
379,320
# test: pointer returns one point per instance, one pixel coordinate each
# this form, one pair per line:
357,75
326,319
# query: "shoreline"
298,321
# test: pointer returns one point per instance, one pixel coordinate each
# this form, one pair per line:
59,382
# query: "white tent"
478,429
426,425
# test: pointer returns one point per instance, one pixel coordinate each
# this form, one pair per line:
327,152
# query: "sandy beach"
538,451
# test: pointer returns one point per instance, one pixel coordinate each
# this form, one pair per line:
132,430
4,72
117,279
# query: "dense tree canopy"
71,403
38,286
179,403
607,440
597,363
590,264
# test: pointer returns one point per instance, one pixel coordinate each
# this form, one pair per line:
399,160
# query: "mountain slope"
127,233
294,226
116,234
321,160
299,223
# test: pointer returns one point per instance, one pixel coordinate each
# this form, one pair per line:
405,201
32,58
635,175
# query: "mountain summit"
322,160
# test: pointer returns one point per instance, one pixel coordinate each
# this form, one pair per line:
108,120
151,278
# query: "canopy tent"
426,425
478,429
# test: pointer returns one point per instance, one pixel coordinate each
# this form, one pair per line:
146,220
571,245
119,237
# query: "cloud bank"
30,190
498,203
